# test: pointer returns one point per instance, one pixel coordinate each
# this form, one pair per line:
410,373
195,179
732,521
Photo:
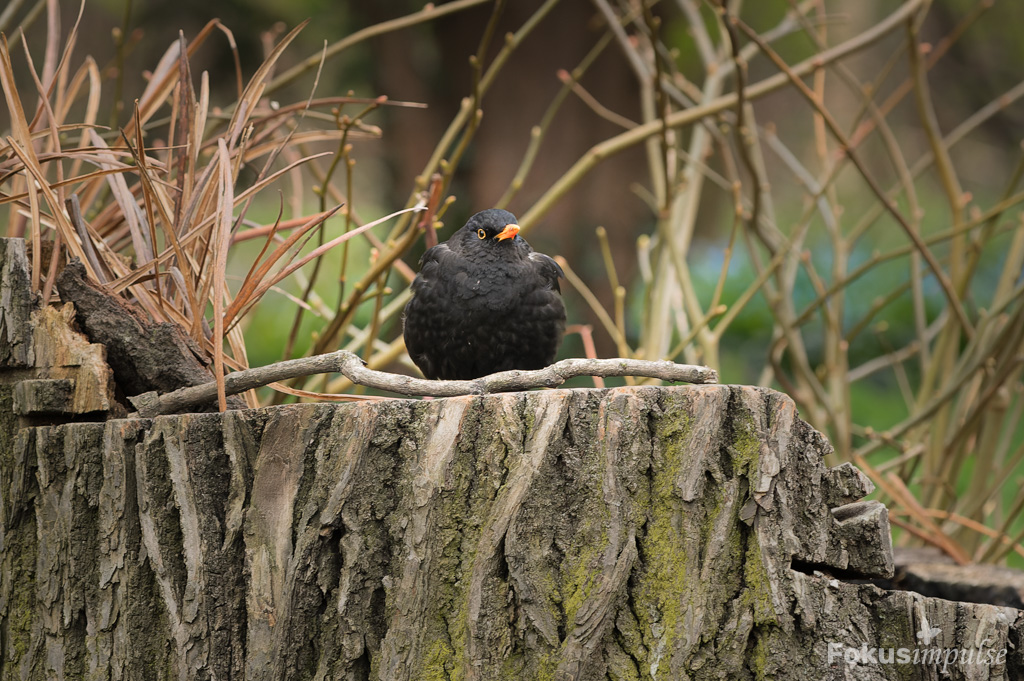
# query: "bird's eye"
481,233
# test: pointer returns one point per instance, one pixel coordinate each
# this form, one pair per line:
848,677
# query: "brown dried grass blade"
182,114
236,341
52,51
53,138
151,194
316,253
162,82
253,283
61,80
20,130
60,219
327,397
222,242
92,260
37,248
196,231
126,202
257,84
233,46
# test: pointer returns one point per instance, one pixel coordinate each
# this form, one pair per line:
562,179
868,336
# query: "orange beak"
509,232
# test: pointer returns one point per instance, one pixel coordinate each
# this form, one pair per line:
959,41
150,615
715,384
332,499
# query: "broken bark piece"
60,353
863,529
144,355
44,396
845,484
52,371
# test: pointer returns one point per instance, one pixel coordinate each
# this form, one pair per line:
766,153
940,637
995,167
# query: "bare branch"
150,404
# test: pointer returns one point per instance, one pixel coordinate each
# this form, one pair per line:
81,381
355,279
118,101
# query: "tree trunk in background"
631,533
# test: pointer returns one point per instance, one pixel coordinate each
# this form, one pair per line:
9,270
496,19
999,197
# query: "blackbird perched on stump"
483,302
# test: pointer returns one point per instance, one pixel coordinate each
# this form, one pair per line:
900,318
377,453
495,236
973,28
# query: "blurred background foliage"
752,236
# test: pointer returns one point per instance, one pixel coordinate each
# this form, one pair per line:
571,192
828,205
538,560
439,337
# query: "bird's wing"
429,263
548,269
434,254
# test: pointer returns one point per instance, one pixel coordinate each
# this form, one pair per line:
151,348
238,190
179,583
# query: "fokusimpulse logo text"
943,658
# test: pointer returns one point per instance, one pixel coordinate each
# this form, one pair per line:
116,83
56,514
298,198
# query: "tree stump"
688,532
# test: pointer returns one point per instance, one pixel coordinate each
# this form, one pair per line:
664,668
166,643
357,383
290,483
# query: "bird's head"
492,229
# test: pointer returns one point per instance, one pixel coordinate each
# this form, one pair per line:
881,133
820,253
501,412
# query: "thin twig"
630,138
919,244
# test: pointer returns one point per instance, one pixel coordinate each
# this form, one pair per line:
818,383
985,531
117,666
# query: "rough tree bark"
686,532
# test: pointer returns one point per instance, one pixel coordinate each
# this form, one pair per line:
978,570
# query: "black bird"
483,302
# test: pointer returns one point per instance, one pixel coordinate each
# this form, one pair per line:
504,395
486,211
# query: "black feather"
482,305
